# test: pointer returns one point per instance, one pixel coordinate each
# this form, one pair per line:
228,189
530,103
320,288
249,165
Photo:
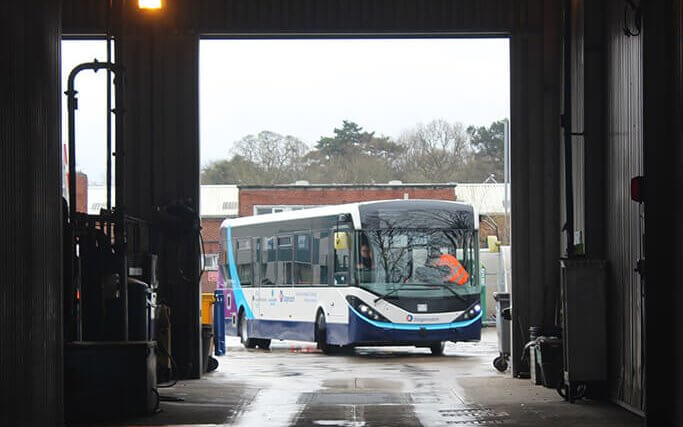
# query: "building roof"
390,184
487,198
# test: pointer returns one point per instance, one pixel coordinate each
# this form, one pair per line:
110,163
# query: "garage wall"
161,55
31,380
535,65
535,168
607,113
663,157
624,152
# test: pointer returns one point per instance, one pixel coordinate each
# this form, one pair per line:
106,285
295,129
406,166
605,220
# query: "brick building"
218,202
81,192
258,199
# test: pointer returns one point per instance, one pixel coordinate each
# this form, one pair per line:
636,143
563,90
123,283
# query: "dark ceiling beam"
83,17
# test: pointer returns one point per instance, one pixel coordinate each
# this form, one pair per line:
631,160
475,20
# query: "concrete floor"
295,385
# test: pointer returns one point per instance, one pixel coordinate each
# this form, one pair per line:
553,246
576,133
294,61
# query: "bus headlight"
470,313
365,309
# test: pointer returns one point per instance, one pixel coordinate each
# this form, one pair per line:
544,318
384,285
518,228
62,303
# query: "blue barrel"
219,322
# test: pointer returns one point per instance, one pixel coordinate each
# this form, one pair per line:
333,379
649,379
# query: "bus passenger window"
303,274
256,261
285,255
268,263
321,251
243,262
342,241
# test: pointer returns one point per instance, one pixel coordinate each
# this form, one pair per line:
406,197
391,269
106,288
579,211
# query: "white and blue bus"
395,272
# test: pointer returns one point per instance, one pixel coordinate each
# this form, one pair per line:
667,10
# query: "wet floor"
295,385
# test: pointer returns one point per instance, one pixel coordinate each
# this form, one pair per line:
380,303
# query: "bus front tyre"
321,334
437,348
244,333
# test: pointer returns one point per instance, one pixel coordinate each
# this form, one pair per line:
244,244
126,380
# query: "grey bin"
503,330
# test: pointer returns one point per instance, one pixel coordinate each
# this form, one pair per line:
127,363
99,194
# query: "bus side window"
268,262
243,262
256,260
285,255
342,245
321,259
303,271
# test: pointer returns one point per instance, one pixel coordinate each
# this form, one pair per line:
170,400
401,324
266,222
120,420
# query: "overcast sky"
306,88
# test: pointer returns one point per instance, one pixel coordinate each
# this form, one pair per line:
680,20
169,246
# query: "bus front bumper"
362,331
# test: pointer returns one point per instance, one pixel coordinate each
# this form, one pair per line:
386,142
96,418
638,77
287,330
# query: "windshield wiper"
444,286
441,285
393,291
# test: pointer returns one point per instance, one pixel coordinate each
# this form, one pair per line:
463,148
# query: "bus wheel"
321,334
437,348
244,333
263,344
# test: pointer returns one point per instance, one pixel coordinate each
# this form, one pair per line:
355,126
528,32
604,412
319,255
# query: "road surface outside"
293,384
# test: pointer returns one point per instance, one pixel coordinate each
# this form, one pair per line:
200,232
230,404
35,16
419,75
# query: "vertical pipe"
567,127
506,173
120,236
108,39
72,104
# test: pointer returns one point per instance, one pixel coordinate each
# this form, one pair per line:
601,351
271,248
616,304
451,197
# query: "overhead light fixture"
149,4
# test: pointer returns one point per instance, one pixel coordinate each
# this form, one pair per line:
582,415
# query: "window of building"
268,209
262,211
211,262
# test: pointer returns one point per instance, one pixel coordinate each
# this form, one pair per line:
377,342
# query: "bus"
391,272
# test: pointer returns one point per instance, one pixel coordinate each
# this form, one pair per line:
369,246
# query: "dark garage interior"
596,90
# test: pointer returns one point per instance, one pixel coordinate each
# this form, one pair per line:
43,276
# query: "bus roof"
354,209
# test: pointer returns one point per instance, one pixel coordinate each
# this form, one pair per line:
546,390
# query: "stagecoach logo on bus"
273,299
409,317
285,298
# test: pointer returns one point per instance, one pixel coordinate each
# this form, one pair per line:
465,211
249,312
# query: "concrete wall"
31,363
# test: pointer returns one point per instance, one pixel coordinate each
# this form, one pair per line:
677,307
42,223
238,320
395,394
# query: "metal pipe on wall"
120,219
567,129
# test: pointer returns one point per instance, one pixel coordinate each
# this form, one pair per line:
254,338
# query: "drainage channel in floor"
379,408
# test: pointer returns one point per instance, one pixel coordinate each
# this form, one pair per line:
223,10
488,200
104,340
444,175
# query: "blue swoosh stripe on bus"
417,327
240,299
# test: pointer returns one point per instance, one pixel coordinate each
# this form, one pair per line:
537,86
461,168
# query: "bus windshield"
417,262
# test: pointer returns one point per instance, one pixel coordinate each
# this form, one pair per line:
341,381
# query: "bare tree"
436,151
279,157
